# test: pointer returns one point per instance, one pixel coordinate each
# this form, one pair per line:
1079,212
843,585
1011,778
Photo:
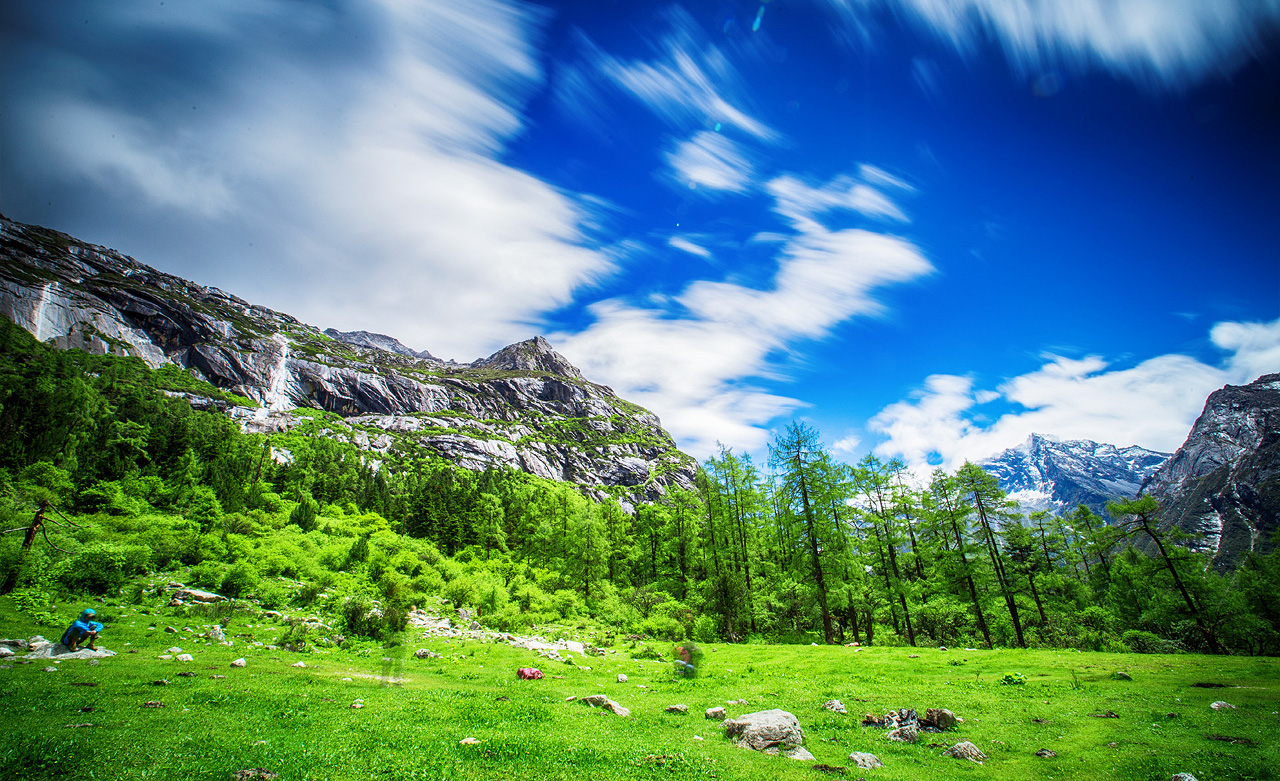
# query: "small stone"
595,700
185,658
617,709
940,718
865,761
1220,705
683,710
161,682
95,662
75,726
171,630
571,698
965,750
152,704
800,753
1121,676
165,657
716,713
239,662
835,706
215,677
622,677
51,669
253,774
1045,753
358,704
1183,777
914,656
697,737
904,735
469,742
426,653
298,664
186,674
737,702
174,650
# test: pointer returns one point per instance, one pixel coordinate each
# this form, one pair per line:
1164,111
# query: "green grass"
299,723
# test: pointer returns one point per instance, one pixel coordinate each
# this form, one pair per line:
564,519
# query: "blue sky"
928,227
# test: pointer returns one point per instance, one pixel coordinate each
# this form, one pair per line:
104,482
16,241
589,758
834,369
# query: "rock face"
524,407
1223,484
1046,474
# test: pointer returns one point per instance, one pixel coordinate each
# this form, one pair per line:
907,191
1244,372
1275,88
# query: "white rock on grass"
186,658
239,662
173,650
1220,705
622,677
835,706
298,664
716,713
965,750
772,731
865,761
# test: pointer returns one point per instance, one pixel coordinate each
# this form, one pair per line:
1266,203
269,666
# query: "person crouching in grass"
82,629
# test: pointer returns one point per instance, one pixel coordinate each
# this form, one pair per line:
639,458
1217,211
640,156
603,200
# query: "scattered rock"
1121,676
1220,705
469,742
215,634
165,657
253,773
617,709
938,720
798,753
161,682
1108,715
1235,741
298,664
1045,753
716,713
239,662
835,771
904,735
965,750
835,706
1183,777
174,650
914,656
171,630
186,674
152,704
765,729
622,677
95,662
865,761
683,710
217,676
186,658
595,700
697,737
51,669
737,702
196,595
358,704
426,653
75,726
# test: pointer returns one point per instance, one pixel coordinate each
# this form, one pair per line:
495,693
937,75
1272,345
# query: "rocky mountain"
524,407
1048,474
1223,484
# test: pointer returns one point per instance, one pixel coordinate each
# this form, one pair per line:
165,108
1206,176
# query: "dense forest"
802,549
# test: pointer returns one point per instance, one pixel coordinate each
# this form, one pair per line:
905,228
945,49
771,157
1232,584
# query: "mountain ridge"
524,407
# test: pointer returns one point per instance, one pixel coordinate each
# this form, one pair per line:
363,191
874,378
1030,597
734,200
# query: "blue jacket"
79,628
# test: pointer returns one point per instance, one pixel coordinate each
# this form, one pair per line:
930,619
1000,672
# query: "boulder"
907,734
965,750
865,761
765,729
939,719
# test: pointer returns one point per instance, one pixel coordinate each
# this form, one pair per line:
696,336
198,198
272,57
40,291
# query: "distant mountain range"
1044,473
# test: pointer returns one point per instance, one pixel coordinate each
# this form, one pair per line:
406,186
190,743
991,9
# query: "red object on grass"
529,673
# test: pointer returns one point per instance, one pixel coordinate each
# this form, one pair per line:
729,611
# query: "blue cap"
89,612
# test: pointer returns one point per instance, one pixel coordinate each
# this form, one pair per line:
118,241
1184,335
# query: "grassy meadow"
300,723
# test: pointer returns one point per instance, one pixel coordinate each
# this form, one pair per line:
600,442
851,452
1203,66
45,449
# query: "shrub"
239,580
1142,642
102,567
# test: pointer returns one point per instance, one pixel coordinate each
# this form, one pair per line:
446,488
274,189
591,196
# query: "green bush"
1143,642
239,580
102,567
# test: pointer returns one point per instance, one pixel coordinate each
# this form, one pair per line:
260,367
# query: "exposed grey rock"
622,677
426,653
939,719
1221,485
965,750
196,595
765,729
716,713
239,663
835,706
1221,705
43,649
215,634
865,761
524,407
594,700
904,735
1182,777
681,709
1046,753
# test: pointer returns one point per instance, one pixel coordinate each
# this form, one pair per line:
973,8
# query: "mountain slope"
1047,474
525,406
1223,484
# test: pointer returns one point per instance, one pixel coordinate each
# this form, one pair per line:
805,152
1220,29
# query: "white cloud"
1168,42
692,361
802,203
1152,404
710,161
688,83
683,244
353,185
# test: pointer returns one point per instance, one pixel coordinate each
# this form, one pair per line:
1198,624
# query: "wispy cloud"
338,160
1152,404
693,362
1171,43
711,162
685,245
687,82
